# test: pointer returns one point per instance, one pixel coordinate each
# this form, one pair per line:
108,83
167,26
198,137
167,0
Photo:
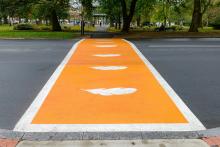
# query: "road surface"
190,66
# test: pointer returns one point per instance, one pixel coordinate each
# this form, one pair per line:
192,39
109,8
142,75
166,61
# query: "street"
26,65
190,66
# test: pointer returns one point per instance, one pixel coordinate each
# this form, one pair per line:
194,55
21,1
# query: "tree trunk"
126,25
119,21
127,17
54,21
139,21
207,22
5,19
47,22
196,17
201,21
111,22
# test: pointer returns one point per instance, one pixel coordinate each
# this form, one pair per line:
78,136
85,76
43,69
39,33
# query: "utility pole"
82,21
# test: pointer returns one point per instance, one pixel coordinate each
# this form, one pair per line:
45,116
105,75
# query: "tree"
87,7
196,17
200,7
143,11
112,9
54,9
127,13
4,11
86,11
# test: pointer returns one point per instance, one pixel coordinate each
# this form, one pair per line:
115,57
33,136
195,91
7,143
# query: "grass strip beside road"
142,34
38,35
8,32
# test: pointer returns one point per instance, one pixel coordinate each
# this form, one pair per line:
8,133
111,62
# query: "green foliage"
149,28
164,11
112,8
42,8
144,10
87,8
44,28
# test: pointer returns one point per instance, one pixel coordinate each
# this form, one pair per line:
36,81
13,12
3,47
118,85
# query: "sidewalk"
113,143
102,28
124,139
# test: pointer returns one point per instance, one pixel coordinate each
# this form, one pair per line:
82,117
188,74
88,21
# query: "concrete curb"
118,143
9,134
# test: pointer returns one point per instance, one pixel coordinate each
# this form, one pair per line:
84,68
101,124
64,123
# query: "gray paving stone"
10,134
170,135
67,136
117,143
38,136
112,136
210,132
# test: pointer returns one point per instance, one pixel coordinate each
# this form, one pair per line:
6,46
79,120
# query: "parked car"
147,24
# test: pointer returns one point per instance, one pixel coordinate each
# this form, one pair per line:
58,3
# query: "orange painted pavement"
69,103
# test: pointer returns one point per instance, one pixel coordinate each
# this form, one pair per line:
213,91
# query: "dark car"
147,24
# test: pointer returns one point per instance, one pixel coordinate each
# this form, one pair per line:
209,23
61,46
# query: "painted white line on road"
194,123
106,46
112,91
107,55
109,67
104,42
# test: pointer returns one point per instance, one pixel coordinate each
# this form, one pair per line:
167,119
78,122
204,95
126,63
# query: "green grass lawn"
6,28
87,28
208,29
38,35
7,31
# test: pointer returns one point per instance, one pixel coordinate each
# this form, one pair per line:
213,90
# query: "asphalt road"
190,66
25,66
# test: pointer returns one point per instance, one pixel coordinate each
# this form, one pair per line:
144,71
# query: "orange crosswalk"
106,82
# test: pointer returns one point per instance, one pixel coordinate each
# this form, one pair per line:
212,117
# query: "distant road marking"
106,46
112,91
104,42
64,105
107,55
109,67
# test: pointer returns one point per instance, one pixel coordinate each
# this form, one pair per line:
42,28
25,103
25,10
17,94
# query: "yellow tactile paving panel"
71,102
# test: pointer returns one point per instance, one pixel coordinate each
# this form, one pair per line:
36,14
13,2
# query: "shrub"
45,28
66,28
149,28
216,26
23,27
176,27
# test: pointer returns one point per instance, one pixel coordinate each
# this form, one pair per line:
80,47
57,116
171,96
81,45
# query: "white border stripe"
25,122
